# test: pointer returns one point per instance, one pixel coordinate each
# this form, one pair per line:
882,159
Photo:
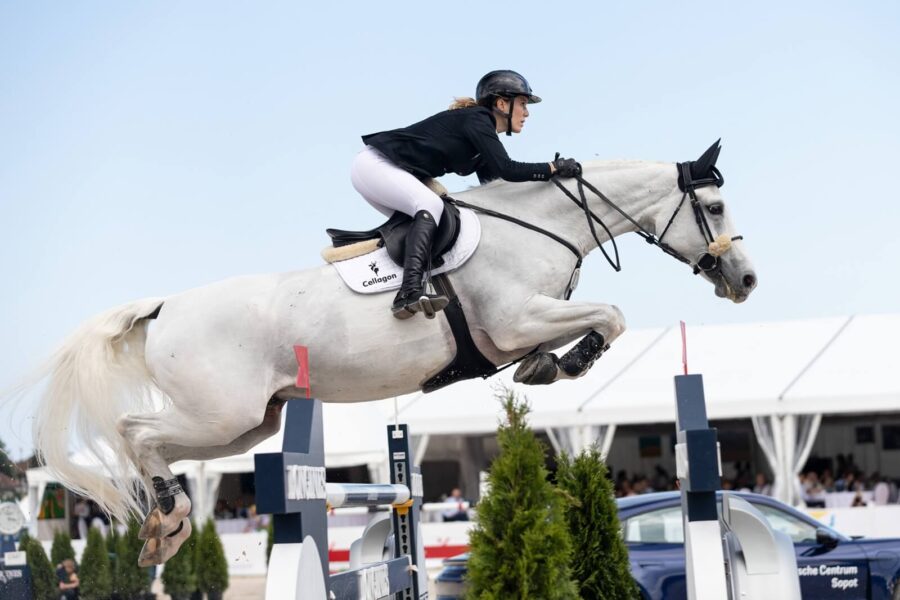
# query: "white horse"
221,356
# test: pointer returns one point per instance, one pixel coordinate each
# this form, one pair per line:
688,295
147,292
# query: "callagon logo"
374,267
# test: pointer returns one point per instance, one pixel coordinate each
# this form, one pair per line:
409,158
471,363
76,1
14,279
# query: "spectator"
881,491
762,485
255,522
82,512
457,507
858,499
68,580
827,480
222,511
661,478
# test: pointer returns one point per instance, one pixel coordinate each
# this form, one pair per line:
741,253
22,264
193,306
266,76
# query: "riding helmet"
504,83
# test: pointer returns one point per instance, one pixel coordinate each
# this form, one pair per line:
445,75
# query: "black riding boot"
412,297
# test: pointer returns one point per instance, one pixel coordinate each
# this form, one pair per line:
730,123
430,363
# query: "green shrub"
61,548
112,549
131,580
600,559
212,568
43,576
178,577
520,546
95,575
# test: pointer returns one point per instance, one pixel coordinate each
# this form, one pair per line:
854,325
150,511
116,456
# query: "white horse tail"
98,374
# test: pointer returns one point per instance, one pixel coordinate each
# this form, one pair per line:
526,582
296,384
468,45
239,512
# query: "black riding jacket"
460,141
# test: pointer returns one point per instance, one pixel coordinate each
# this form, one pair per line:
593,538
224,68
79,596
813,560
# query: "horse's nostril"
749,281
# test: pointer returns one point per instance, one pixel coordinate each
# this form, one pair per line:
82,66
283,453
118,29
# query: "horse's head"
696,226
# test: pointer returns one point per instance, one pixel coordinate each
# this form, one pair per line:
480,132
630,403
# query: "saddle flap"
342,237
393,235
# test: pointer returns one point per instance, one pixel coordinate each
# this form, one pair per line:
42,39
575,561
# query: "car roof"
673,497
629,506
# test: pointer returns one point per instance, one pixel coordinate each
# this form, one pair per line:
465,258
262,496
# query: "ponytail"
463,102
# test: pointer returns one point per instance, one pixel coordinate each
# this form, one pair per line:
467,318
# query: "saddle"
469,361
392,235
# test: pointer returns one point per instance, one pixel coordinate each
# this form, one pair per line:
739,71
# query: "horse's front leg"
545,321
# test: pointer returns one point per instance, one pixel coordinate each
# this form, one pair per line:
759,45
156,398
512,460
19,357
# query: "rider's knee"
432,204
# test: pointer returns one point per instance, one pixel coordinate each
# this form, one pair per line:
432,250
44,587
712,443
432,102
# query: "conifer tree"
600,559
212,568
178,577
520,547
61,548
7,466
132,581
95,576
270,537
112,549
43,577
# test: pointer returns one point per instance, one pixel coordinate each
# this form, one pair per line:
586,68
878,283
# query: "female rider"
388,173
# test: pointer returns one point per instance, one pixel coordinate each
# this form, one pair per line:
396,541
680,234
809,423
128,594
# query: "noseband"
707,262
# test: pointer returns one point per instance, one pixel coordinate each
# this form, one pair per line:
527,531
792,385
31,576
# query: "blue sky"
149,148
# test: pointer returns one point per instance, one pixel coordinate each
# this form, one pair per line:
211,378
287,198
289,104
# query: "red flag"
302,354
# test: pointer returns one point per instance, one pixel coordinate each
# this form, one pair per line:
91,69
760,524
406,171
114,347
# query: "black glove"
566,167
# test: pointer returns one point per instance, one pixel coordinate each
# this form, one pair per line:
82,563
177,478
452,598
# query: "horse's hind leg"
166,526
269,427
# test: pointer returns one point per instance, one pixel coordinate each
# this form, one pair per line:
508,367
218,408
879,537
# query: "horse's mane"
499,187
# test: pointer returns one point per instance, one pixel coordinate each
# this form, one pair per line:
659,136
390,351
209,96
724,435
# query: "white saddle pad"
375,272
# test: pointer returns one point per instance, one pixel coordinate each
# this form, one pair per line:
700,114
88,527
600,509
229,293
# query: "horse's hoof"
537,369
152,526
150,553
156,551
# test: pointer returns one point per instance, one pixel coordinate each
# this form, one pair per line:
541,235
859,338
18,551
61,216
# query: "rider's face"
520,113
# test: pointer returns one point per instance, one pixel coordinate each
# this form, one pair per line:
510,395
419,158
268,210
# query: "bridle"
707,262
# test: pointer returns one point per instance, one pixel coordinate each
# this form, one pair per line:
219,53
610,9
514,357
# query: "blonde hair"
464,102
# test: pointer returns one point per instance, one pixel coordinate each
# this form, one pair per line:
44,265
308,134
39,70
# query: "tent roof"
828,365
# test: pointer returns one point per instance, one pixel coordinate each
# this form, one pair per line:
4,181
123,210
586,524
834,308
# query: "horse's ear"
700,168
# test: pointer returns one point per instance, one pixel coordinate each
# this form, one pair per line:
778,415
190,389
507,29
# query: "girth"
469,362
392,235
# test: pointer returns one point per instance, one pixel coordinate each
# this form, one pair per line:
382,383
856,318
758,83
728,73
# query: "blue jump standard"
698,489
291,486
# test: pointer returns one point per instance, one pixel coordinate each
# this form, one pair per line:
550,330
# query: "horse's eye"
716,209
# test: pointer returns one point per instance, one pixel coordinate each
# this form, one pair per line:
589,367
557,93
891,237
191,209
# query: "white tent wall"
786,441
576,439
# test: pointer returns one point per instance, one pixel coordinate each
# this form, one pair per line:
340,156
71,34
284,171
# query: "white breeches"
387,187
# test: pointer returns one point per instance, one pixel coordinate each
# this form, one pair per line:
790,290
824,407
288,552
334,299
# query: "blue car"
831,565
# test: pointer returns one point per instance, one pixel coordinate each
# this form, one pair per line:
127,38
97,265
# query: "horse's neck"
636,187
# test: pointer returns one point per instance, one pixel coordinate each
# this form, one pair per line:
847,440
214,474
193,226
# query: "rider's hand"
566,167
